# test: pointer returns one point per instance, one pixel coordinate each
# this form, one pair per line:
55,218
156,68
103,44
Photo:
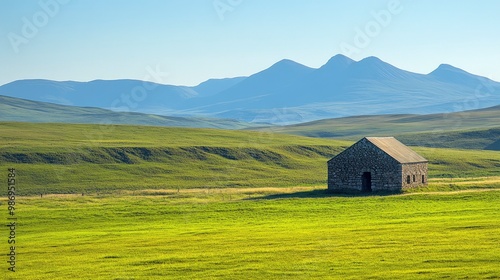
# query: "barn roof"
396,149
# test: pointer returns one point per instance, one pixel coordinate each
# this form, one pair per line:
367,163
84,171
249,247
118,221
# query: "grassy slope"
21,110
479,127
464,139
61,158
87,158
309,235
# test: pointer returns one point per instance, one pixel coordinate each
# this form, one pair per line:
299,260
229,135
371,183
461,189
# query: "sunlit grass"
93,159
299,233
168,203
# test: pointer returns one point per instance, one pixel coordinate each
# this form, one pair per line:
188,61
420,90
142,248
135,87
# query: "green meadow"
91,159
62,158
132,202
298,233
480,125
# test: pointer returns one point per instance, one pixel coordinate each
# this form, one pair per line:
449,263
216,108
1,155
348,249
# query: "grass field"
66,158
293,233
172,203
475,129
92,158
464,139
383,125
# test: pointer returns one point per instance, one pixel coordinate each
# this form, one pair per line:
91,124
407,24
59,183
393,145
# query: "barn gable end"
376,164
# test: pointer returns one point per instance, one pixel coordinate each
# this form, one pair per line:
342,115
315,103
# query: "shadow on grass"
322,194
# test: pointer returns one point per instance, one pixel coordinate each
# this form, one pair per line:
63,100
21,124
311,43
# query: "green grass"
51,137
456,163
172,203
264,234
464,139
62,158
470,129
459,184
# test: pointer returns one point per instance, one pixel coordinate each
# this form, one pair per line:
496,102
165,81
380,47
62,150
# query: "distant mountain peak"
283,67
340,58
337,63
371,59
443,68
452,74
446,66
286,60
286,63
374,61
374,68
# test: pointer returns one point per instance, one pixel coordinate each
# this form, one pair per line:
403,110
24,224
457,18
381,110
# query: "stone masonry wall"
412,175
345,172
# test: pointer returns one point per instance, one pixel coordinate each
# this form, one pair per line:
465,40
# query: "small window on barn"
414,178
408,179
423,178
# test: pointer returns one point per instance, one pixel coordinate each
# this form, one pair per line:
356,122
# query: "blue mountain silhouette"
287,92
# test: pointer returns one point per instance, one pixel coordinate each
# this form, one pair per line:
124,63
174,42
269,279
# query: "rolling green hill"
379,125
495,146
64,158
482,139
475,129
22,110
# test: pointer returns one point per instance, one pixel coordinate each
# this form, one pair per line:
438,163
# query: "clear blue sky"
193,40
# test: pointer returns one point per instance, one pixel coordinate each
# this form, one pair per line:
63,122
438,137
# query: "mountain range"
285,93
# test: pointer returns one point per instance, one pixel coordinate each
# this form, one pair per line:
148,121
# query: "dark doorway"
367,182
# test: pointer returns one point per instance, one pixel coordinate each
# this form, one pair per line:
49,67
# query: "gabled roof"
396,149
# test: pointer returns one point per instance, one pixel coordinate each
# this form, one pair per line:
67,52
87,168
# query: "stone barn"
376,164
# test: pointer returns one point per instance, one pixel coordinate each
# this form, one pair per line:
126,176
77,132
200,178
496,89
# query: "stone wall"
345,171
412,175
